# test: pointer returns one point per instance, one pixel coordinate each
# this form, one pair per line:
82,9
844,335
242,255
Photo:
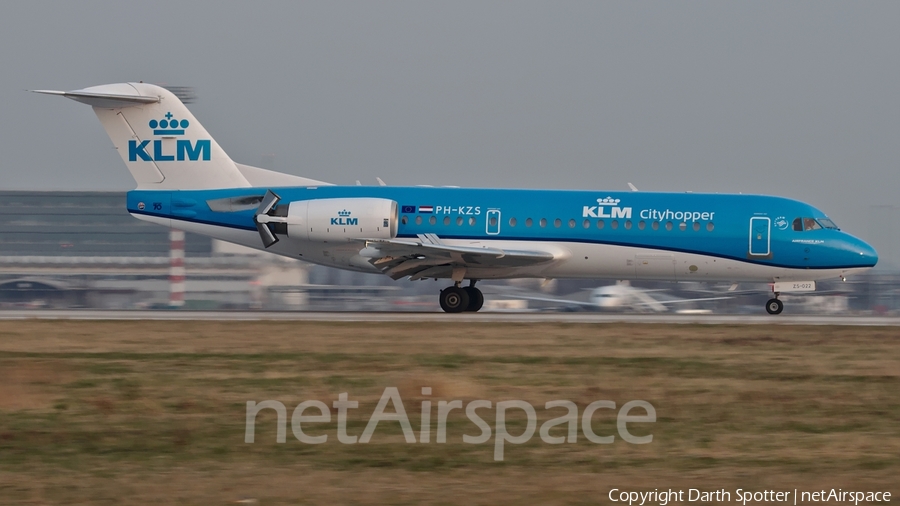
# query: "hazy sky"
800,99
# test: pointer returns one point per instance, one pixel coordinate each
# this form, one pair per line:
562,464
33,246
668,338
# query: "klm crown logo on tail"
184,149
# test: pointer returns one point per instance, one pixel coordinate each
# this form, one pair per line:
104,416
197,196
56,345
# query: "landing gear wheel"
774,306
476,298
454,299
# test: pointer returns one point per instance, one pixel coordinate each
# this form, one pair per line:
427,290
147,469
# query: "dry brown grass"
153,412
29,384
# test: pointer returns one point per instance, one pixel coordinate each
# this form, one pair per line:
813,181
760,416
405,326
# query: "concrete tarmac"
422,317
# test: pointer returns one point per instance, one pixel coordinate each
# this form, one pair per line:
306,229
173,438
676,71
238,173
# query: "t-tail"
161,142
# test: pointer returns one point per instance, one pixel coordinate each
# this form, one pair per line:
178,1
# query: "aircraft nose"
860,253
867,254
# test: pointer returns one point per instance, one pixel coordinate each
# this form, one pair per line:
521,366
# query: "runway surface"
418,317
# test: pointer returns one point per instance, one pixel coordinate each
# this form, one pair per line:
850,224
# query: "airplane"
621,296
185,180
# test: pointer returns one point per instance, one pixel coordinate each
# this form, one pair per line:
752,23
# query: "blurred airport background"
83,250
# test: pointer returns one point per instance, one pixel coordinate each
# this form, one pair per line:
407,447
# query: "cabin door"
760,240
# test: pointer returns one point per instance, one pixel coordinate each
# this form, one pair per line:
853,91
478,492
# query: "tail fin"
160,141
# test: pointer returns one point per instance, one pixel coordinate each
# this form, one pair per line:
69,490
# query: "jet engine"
341,219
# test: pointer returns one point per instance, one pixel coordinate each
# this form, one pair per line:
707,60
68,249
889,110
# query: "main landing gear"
456,299
774,306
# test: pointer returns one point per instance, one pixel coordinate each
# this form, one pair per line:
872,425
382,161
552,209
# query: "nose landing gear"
456,299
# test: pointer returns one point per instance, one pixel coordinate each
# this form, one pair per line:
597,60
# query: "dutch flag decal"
426,209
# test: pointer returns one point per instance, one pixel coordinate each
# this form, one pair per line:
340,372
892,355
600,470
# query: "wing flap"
400,258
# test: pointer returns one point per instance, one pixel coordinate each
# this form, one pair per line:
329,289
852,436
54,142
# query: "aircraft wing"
430,257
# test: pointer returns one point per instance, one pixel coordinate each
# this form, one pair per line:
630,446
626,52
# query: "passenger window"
557,222
512,222
404,220
446,220
600,224
528,222
432,220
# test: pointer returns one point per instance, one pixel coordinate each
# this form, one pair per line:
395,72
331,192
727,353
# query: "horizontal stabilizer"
105,97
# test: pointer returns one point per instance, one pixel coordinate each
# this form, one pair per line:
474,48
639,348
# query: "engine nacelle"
342,219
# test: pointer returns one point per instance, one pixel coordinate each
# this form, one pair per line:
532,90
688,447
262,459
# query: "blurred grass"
153,412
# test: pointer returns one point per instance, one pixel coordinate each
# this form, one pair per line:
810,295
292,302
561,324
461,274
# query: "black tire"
476,298
774,306
454,300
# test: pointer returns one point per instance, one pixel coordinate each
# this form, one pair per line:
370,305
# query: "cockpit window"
826,223
810,224
804,224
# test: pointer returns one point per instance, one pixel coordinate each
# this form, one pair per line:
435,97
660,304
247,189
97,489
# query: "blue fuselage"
750,229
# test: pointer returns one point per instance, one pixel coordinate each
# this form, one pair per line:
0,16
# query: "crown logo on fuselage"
168,125
606,208
344,213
